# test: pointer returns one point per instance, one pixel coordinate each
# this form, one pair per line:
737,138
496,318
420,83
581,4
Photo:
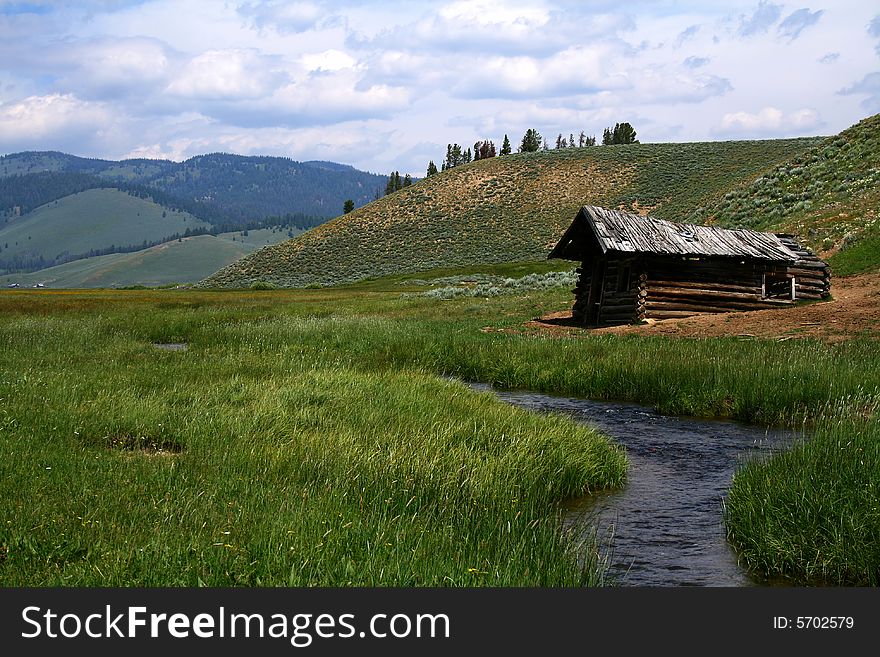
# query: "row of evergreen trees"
622,133
395,182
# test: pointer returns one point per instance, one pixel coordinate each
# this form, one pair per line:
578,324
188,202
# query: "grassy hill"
185,261
88,221
829,195
507,209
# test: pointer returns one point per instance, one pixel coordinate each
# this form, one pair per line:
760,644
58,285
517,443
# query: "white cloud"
323,98
576,70
796,22
36,118
167,78
868,86
329,60
355,142
498,28
769,120
284,16
657,84
496,14
686,34
696,62
226,75
107,67
761,19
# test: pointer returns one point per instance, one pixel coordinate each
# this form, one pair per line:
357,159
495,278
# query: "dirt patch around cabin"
853,311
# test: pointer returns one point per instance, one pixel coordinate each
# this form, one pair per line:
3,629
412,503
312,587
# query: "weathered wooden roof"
625,232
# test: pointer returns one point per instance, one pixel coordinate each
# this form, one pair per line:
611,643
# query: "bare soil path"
854,311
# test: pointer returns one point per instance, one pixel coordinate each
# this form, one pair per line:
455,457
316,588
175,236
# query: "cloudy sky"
386,85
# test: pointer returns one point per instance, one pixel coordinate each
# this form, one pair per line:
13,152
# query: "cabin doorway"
778,285
597,285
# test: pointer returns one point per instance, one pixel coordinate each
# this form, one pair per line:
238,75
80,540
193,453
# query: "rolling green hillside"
89,221
185,261
828,195
505,209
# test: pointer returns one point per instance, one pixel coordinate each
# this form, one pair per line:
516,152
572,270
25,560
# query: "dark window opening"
777,285
623,279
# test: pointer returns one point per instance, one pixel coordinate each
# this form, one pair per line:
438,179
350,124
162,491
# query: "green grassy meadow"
312,437
93,219
186,260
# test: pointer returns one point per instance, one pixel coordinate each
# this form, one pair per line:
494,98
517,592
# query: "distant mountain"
218,188
55,207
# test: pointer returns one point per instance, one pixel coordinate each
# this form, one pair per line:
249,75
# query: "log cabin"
636,268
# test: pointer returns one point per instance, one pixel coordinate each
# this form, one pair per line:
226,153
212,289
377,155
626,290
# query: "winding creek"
664,528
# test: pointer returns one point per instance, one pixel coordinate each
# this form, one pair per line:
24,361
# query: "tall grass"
313,428
812,513
249,460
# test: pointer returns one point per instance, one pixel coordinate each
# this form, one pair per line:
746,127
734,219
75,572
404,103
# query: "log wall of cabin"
680,287
614,302
582,293
812,276
619,295
656,287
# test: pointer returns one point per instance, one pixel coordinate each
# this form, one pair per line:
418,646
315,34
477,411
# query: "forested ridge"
221,189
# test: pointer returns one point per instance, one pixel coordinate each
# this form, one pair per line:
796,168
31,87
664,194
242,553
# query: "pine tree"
394,183
623,133
560,141
571,140
454,156
432,168
407,180
505,146
531,141
348,206
582,139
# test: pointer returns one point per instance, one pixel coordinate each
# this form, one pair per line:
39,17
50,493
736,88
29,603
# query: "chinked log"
810,286
628,297
715,282
706,300
700,293
812,264
813,273
730,287
719,307
616,319
804,280
812,296
689,274
619,309
671,314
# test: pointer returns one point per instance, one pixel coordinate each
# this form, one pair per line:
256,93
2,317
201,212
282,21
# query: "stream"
665,527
